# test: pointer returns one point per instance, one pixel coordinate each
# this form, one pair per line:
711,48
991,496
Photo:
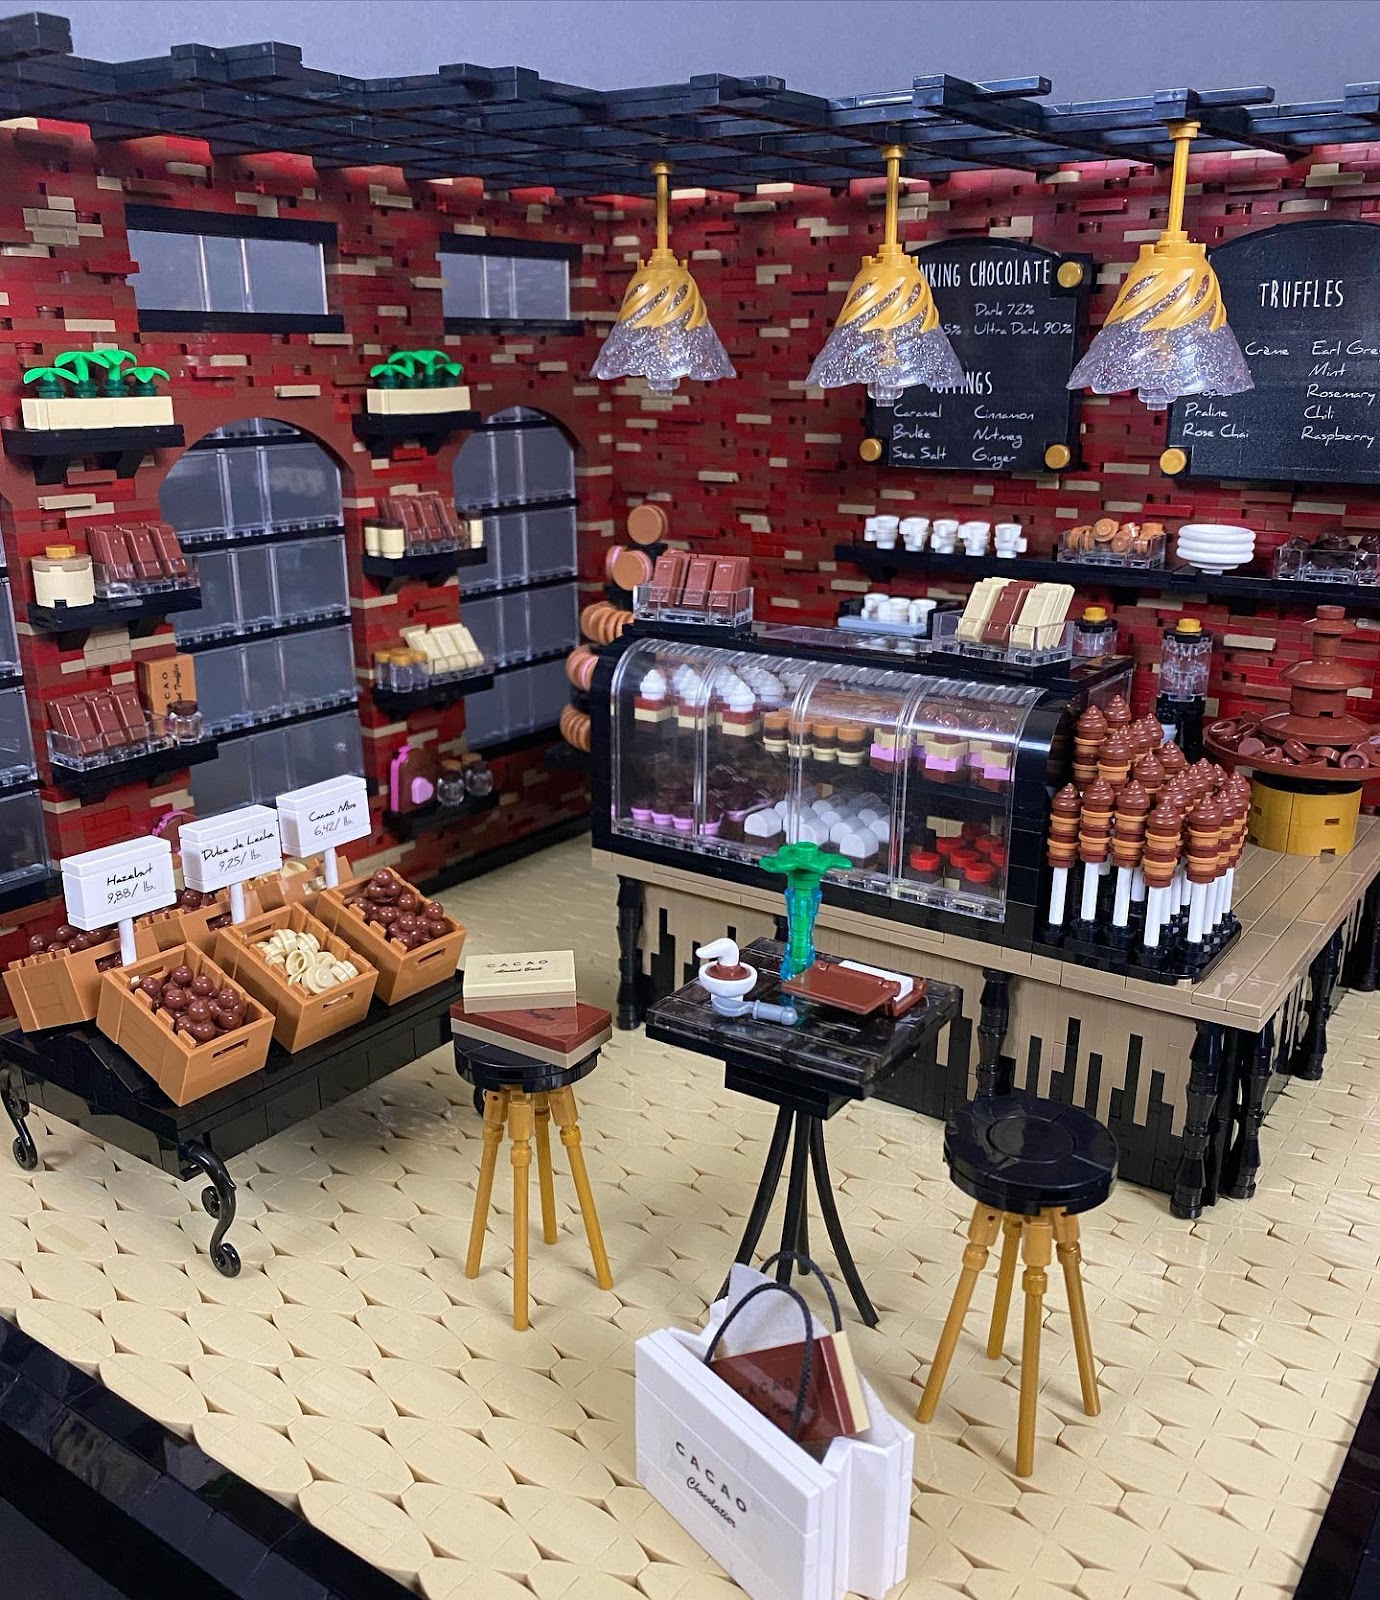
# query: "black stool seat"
1021,1154
491,1068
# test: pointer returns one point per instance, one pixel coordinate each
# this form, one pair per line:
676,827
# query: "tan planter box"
54,990
93,411
416,402
402,972
300,1018
182,1069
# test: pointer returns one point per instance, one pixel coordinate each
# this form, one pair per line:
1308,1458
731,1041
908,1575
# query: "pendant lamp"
888,335
1167,334
663,332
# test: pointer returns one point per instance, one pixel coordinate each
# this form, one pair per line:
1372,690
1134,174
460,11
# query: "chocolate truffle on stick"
1094,841
1204,822
1128,845
1062,848
1089,732
1160,858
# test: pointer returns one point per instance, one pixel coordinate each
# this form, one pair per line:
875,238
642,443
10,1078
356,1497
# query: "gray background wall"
1307,49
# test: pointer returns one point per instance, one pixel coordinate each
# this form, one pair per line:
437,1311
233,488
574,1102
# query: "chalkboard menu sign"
1013,313
1304,301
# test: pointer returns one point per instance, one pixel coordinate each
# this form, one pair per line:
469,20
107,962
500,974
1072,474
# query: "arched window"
258,503
518,473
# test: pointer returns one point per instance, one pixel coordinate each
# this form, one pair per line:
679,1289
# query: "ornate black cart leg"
834,1226
1204,1081
629,952
1322,977
16,1100
766,1188
992,1024
218,1201
1243,1162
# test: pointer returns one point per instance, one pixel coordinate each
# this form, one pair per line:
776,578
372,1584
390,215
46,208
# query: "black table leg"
992,1024
16,1101
1368,963
1237,1049
1204,1082
793,1223
1322,977
834,1225
218,1201
629,952
766,1188
1243,1164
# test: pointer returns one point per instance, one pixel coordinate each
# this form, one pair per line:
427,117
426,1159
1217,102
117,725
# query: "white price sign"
324,816
230,848
118,883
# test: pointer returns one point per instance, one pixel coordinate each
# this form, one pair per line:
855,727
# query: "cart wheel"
226,1261
479,1101
25,1155
210,1204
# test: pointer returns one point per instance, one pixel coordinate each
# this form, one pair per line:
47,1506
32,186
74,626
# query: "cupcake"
924,865
740,717
824,740
774,732
651,703
853,740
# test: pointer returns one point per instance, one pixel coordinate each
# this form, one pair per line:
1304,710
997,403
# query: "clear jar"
1094,634
479,777
1185,658
450,783
183,722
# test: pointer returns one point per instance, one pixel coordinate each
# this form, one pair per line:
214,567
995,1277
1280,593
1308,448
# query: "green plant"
116,377
417,369
80,368
804,866
49,380
141,379
82,364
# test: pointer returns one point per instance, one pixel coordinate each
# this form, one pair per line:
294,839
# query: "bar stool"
1033,1166
525,1096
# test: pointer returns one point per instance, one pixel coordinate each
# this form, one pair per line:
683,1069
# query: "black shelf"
401,701
46,885
508,508
379,431
507,325
519,743
51,451
89,782
289,719
248,635
1358,599
410,825
559,580
427,564
140,613
235,541
540,658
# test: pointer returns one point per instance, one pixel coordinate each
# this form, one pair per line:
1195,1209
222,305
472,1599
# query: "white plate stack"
1215,547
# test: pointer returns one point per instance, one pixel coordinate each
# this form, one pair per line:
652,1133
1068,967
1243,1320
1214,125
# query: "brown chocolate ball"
152,987
37,944
227,998
202,1032
199,1011
203,986
432,910
66,933
174,997
83,941
405,924
407,900
191,899
383,875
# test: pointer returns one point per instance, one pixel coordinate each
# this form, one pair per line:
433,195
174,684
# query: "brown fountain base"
1303,816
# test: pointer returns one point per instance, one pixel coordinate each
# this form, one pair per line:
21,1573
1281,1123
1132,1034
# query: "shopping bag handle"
804,1264
798,1414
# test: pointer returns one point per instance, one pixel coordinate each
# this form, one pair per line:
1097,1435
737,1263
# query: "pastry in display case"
934,787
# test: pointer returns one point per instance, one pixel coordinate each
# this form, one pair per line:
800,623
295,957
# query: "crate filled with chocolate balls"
412,941
186,1024
59,981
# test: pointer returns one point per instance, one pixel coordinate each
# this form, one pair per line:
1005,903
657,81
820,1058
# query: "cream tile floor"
353,1370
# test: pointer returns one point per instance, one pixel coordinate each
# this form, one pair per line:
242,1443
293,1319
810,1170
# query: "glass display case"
932,785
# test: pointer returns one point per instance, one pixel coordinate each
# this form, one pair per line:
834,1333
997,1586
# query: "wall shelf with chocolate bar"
401,701
409,825
1359,599
51,452
140,613
92,781
430,564
381,431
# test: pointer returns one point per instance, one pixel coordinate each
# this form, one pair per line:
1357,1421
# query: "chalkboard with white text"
1303,299
1014,326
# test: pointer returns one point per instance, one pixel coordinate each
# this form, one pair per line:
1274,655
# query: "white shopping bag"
783,1525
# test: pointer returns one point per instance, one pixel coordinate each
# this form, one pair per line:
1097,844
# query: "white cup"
873,602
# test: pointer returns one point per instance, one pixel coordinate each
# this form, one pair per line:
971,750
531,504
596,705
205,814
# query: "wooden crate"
300,1018
178,926
54,990
182,1069
402,972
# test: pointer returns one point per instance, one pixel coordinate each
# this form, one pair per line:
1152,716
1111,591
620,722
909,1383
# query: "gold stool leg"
520,1132
567,1120
1070,1257
1037,1238
982,1233
1006,1280
495,1115
546,1178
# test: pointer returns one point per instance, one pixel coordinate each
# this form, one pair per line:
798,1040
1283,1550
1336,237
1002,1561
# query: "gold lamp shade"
663,332
1167,335
888,336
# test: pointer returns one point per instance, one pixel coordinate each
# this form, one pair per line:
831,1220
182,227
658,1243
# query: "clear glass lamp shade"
663,332
1163,364
887,360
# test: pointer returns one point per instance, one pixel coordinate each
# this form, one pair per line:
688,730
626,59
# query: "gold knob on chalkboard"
1057,455
1173,461
870,449
1070,274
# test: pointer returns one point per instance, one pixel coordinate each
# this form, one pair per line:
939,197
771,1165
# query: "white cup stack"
914,532
944,536
885,531
975,537
873,601
1009,539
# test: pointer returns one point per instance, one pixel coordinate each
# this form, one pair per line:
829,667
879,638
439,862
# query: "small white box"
324,815
118,881
230,848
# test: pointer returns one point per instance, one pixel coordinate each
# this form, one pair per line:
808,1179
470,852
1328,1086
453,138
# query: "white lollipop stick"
1121,909
1197,909
1154,915
1058,896
1092,876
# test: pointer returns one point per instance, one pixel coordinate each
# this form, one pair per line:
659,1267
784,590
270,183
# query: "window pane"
541,288
463,294
225,287
474,478
483,619
270,763
486,714
285,275
551,543
506,537
224,783
311,577
548,464
507,466
498,287
254,584
220,688
244,476
169,271
303,485
324,748
550,690
219,608
319,667
192,496
517,636
263,667
551,616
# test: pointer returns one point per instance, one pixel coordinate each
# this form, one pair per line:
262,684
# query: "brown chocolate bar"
730,575
169,550
110,550
668,577
73,717
144,551
699,579
104,710
1005,609
133,718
